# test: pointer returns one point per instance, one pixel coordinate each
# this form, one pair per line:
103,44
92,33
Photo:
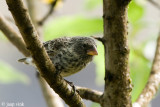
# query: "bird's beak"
92,51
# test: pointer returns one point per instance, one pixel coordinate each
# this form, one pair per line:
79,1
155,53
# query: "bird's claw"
72,85
58,73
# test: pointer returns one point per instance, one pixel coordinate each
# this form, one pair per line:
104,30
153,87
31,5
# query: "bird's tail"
27,60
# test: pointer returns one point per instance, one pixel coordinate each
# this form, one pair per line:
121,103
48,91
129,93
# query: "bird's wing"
53,46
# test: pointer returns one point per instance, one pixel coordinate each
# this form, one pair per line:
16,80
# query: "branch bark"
89,94
13,36
117,80
153,83
41,59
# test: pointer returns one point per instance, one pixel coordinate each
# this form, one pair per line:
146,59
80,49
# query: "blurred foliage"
99,61
10,75
92,4
136,28
47,1
59,3
50,1
73,25
2,37
135,12
140,69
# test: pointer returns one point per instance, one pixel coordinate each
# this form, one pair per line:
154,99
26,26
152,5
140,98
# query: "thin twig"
51,9
153,83
89,94
13,36
52,99
38,52
32,10
98,38
154,4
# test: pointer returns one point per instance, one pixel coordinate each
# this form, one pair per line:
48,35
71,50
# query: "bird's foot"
72,85
58,73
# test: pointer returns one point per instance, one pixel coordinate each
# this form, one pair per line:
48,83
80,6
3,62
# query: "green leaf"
140,71
92,4
10,75
135,12
72,26
100,67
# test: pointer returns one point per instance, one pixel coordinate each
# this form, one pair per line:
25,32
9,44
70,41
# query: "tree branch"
51,9
98,38
13,36
41,59
118,86
89,94
154,4
154,80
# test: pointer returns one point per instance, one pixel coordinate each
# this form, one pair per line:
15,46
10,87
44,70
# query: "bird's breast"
68,63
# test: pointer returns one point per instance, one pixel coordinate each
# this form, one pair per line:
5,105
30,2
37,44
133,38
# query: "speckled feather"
69,54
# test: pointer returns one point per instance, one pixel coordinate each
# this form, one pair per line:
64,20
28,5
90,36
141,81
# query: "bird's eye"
84,45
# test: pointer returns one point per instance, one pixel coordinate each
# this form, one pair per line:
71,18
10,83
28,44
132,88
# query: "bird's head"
84,46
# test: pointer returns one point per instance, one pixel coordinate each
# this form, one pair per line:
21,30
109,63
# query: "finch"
68,54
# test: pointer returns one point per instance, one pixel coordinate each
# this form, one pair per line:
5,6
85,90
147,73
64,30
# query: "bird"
68,54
